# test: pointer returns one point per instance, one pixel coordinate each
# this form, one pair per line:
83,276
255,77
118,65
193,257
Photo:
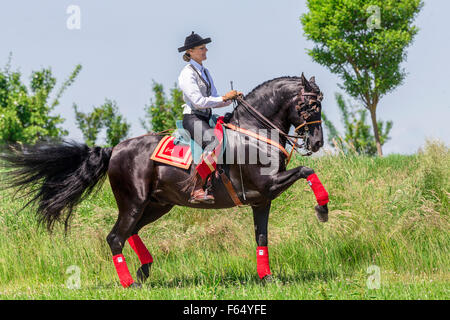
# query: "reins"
263,119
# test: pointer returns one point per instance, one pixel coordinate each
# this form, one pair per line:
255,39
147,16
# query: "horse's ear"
303,79
305,83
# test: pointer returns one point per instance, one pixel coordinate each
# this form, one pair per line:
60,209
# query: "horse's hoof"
322,213
143,272
135,285
267,279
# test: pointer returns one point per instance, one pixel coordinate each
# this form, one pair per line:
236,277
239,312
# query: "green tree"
90,124
364,42
357,136
25,112
106,116
116,126
162,113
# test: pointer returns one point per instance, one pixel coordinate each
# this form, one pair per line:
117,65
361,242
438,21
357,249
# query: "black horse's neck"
271,99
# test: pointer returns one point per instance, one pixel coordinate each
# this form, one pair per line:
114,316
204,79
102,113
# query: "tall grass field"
387,238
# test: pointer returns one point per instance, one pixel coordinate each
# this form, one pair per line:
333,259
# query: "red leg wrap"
122,270
140,249
262,261
318,189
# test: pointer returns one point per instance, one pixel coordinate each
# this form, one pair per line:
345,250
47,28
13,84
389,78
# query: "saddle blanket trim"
169,153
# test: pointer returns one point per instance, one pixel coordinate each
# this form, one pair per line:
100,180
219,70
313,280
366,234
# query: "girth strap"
229,187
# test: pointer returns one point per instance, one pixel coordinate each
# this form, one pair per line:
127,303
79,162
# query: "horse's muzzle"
316,146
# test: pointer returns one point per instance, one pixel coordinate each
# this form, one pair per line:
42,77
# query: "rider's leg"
197,126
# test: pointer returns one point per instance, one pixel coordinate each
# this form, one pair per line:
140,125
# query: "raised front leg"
261,219
285,179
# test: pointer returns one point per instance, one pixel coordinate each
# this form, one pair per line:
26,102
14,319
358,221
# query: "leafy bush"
25,112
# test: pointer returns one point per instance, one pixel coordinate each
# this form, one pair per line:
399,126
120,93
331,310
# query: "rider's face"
198,53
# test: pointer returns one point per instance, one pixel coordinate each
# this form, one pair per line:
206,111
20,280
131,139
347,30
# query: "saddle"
180,150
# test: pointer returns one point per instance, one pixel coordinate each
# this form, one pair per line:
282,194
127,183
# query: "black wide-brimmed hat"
192,41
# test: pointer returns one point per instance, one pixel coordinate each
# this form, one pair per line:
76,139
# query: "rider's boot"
198,195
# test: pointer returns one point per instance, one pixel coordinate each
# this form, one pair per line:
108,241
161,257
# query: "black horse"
61,175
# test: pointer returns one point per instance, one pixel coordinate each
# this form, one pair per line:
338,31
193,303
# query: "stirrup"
201,196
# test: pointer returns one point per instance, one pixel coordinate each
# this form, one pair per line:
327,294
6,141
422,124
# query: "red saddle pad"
176,155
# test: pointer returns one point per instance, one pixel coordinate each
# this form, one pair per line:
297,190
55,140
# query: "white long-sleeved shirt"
192,95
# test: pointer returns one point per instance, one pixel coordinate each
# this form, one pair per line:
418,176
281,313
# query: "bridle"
311,106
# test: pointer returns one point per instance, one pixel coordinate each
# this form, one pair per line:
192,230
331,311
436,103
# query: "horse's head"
288,101
306,114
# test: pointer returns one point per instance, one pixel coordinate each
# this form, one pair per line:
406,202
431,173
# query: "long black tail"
58,176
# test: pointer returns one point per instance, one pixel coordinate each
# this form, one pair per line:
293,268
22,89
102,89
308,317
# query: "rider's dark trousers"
202,134
202,138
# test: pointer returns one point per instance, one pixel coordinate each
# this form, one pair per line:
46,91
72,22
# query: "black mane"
252,94
268,98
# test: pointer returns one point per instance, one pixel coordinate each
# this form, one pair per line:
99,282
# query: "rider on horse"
200,95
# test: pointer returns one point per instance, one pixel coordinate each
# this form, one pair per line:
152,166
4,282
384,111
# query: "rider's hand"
233,94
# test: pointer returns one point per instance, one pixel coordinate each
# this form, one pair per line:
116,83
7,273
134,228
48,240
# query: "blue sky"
124,45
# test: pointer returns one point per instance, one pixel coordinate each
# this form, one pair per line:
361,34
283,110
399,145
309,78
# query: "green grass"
392,212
